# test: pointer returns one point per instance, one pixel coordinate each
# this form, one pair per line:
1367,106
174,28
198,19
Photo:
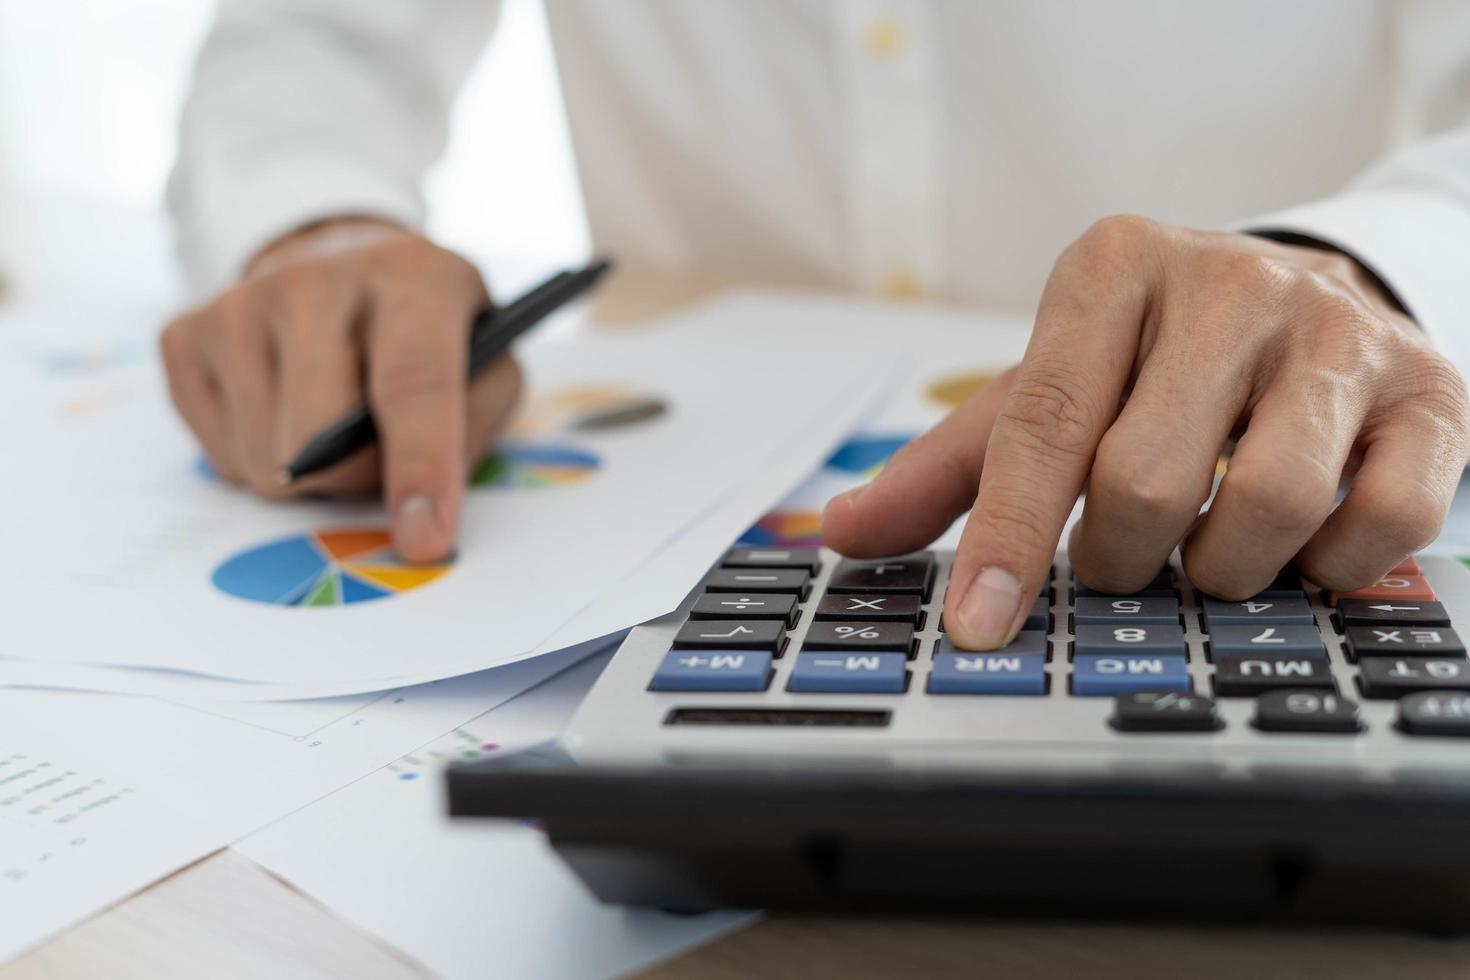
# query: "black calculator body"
801,735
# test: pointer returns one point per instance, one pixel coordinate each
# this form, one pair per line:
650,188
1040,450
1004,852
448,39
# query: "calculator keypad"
873,630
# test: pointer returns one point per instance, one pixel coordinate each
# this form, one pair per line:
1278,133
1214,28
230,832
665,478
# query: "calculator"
802,734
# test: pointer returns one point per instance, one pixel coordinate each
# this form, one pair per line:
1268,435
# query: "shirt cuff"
1417,242
229,217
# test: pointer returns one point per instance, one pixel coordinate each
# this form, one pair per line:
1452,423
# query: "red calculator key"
1409,566
1412,588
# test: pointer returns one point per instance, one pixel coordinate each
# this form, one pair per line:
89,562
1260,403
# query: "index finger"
1065,395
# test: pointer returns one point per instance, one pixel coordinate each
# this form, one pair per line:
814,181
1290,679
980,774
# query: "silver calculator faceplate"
622,723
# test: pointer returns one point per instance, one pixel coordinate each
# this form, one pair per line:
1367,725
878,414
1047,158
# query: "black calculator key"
744,605
1266,641
1119,610
1165,711
1390,677
791,580
1435,713
1247,676
908,574
872,606
1162,586
1369,612
1306,711
1039,618
1286,583
1398,641
829,635
807,558
726,634
1277,610
1167,639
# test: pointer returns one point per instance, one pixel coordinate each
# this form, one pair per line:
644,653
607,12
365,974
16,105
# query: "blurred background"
90,92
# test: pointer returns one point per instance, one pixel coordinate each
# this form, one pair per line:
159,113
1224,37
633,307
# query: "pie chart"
866,455
325,568
785,529
534,466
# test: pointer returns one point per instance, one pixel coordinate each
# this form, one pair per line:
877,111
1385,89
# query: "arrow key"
1369,612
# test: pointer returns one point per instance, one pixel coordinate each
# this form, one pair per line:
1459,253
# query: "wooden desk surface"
225,917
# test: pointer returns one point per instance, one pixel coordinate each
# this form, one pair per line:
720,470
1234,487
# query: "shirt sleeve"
1408,221
301,110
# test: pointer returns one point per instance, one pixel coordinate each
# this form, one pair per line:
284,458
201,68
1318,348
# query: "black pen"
490,337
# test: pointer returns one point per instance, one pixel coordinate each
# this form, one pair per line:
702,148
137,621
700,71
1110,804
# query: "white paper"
101,795
121,525
469,898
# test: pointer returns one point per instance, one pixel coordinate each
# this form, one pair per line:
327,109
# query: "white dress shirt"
930,148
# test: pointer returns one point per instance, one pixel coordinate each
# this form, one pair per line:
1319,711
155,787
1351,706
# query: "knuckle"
1282,501
1141,493
1015,520
1052,408
1238,276
1409,517
403,380
1097,262
175,342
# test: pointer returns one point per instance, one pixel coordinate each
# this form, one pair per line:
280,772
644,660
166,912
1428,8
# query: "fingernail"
990,607
418,532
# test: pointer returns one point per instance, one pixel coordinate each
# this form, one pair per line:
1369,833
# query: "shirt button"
884,37
901,284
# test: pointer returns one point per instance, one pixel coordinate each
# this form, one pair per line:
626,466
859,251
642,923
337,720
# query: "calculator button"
1126,609
1165,711
1027,642
1286,585
1306,711
908,574
1162,586
1039,618
1264,609
1385,677
748,605
804,558
1365,612
1409,566
713,670
1397,641
872,606
1411,588
716,634
1107,640
1260,641
1125,672
791,580
987,673
1435,713
849,673
859,636
1247,676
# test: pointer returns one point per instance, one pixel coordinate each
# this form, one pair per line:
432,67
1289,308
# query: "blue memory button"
1104,674
849,673
713,670
987,673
